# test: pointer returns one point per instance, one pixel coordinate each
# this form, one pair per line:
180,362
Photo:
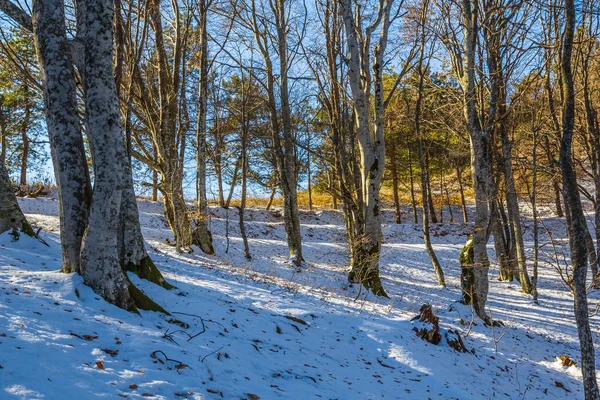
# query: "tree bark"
66,141
577,226
461,189
11,216
202,235
394,171
100,259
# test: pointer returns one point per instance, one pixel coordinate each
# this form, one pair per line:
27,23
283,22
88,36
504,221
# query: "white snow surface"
262,329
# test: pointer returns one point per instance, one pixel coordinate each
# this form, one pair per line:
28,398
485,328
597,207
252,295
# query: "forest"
292,196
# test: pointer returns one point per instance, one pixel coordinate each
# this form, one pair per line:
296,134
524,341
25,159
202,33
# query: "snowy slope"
261,329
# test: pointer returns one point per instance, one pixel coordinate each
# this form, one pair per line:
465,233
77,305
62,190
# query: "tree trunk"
463,203
202,235
514,215
422,165
287,158
480,164
243,145
577,226
394,171
24,158
234,178
176,210
536,247
370,138
100,258
428,193
271,198
66,141
11,216
25,139
413,199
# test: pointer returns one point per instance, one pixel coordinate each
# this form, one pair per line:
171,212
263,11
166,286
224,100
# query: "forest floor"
262,329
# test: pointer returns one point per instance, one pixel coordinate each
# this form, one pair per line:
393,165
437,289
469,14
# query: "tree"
576,223
94,249
260,19
425,198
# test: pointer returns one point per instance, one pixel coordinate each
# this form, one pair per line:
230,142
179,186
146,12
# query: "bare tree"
576,223
425,198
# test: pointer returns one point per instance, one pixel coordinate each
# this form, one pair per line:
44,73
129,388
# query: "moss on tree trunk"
146,269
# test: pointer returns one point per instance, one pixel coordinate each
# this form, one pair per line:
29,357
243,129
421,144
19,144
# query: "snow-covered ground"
261,329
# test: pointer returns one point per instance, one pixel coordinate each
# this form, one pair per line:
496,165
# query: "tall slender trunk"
536,247
424,170
244,145
3,132
413,199
308,167
394,171
461,189
288,157
202,235
24,137
24,158
234,179
271,198
577,226
480,165
428,193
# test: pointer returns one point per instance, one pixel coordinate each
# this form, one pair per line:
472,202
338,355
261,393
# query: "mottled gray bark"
366,84
66,141
100,258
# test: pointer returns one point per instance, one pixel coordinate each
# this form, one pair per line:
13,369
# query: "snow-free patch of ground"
261,329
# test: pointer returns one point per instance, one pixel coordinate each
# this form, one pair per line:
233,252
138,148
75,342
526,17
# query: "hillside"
261,329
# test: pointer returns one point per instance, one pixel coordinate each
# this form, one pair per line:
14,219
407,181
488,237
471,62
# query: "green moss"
141,301
362,273
467,259
146,269
27,229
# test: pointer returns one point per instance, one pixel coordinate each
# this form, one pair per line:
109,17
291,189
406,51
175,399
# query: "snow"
262,329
